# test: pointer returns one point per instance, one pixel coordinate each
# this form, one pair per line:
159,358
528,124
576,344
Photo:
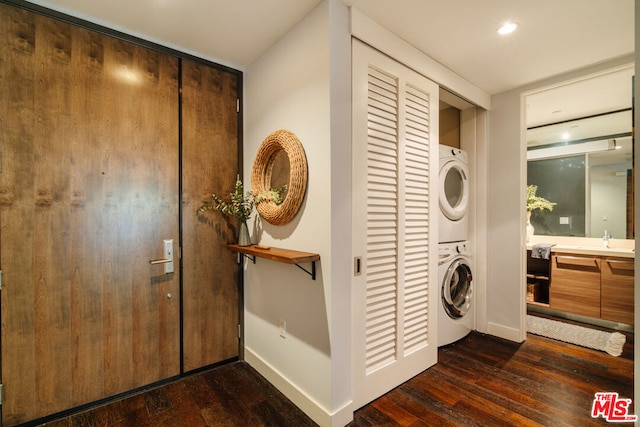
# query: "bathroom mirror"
580,152
588,176
280,161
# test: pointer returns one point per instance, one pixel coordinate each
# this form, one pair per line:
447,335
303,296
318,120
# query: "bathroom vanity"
583,277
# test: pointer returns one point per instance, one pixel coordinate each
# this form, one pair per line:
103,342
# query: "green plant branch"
240,204
537,202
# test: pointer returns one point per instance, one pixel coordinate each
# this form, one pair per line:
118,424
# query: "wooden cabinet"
600,287
617,300
575,287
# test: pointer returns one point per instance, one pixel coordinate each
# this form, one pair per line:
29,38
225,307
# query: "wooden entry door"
89,189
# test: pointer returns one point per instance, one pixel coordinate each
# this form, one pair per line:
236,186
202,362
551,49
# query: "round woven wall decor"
262,170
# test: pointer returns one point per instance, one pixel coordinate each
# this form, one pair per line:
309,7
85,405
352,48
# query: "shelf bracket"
247,256
312,273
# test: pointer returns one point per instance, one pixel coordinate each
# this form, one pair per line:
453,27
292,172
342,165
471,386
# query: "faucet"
605,238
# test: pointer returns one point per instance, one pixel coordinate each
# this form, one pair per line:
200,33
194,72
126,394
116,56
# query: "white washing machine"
453,195
456,312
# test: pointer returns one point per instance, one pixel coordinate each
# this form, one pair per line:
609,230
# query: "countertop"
622,248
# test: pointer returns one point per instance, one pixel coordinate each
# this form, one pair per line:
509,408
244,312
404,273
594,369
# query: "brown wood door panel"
210,165
575,284
618,290
88,190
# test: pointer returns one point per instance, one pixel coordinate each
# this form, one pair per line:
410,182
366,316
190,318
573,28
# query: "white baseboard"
315,411
505,332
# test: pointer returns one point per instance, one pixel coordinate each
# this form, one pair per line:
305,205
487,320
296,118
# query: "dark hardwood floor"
229,395
478,381
487,381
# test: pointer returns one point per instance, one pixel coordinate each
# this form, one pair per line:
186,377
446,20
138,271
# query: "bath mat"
611,342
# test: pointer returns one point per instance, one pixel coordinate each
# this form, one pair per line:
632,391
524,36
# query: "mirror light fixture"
569,149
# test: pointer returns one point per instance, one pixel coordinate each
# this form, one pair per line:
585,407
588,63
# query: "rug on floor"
611,342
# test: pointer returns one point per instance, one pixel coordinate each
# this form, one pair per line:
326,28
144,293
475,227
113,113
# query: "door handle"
167,261
357,266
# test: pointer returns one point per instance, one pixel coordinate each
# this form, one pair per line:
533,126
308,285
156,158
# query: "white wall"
341,256
506,204
474,134
291,87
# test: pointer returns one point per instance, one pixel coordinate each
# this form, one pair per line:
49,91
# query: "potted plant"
535,202
240,205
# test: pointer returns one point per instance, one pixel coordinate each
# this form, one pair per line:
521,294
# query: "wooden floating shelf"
286,256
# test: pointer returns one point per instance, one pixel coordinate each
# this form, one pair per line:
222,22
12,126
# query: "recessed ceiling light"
507,28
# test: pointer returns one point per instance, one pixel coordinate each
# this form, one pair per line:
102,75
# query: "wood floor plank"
184,406
532,380
398,413
403,399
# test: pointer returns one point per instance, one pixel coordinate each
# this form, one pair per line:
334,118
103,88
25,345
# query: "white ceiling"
600,93
553,36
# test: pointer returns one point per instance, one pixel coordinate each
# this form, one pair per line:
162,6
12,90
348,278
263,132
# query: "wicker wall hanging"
263,169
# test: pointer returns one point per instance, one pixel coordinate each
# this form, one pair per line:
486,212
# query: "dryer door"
454,190
457,289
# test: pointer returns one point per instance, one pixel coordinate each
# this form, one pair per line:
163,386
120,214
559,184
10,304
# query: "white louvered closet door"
395,202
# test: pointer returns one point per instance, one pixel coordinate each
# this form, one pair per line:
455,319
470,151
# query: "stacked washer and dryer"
456,316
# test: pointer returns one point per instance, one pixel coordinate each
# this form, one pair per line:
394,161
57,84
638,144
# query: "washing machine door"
454,190
457,289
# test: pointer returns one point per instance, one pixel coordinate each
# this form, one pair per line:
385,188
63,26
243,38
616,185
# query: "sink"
581,247
588,246
593,249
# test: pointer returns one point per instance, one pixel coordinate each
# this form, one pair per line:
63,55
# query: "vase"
244,239
530,229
